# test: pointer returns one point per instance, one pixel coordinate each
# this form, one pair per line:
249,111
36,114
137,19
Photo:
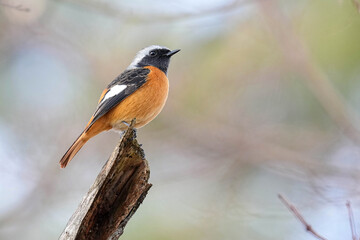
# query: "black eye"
152,53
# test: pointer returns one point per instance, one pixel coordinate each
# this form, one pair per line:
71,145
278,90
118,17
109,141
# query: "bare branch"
351,221
17,7
293,209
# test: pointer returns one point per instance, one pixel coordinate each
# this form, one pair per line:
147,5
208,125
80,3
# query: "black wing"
133,79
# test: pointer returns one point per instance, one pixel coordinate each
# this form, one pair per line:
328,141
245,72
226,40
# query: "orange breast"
144,104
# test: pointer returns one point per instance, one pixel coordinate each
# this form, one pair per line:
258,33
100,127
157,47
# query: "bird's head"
154,55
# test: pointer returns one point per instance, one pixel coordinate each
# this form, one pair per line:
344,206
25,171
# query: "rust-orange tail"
75,147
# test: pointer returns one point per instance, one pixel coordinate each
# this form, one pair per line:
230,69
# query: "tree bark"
116,194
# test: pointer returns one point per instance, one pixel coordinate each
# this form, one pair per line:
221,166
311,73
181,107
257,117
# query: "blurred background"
264,99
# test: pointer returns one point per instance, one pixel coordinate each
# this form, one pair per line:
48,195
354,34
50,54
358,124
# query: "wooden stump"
116,194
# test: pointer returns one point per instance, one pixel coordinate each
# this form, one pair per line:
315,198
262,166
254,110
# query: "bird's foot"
125,123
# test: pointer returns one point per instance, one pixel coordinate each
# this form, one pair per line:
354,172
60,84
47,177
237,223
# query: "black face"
159,58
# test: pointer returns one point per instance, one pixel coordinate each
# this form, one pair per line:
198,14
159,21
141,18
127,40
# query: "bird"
139,92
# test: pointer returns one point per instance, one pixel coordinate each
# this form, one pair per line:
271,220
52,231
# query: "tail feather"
71,152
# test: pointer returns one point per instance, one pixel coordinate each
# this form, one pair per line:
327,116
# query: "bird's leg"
127,124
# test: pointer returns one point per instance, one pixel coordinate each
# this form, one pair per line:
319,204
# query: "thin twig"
293,209
18,7
351,221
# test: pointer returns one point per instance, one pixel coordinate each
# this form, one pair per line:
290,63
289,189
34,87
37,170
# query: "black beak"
169,54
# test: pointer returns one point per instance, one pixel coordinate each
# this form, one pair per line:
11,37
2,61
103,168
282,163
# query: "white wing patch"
115,90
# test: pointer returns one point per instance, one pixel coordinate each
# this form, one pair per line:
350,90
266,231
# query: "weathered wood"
117,192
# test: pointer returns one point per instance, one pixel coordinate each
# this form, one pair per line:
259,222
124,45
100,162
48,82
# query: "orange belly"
144,104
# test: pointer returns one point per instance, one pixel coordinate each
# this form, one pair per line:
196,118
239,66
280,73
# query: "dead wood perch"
117,192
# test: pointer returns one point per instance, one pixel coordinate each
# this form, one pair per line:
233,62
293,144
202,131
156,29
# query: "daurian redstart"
139,92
